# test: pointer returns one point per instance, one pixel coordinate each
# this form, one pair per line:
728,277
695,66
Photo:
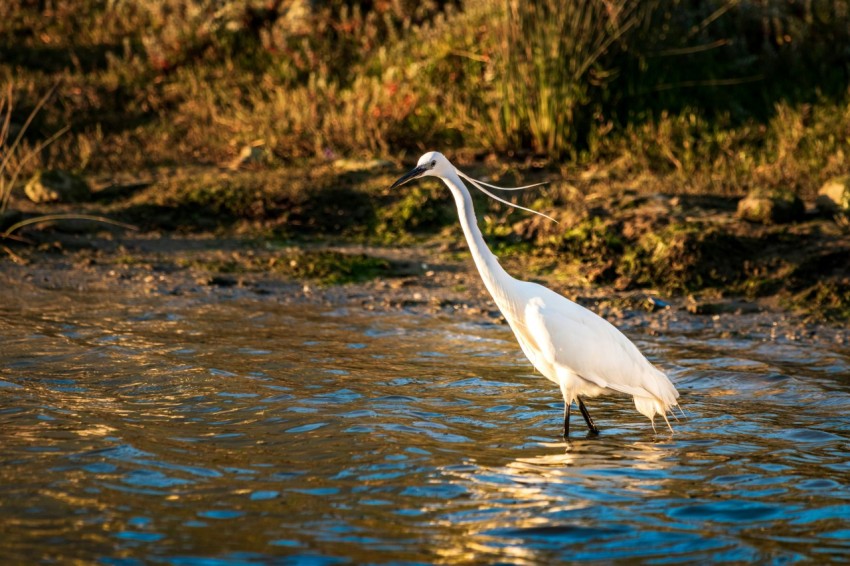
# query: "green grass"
614,99
324,267
711,97
16,152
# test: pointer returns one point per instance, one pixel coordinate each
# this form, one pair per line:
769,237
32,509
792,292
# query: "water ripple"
140,428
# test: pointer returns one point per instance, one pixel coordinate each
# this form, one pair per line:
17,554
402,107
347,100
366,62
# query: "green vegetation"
15,153
611,100
425,207
715,95
287,202
322,266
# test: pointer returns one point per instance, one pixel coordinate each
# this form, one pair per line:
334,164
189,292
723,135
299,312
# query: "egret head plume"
481,184
435,164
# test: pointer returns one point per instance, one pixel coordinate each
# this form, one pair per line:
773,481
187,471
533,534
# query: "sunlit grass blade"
7,182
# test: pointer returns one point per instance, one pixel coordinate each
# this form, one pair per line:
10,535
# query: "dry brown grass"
590,84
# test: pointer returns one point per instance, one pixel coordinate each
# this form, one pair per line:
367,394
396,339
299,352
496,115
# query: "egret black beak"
412,174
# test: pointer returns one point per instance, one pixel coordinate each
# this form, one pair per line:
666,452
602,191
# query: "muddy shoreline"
642,258
424,283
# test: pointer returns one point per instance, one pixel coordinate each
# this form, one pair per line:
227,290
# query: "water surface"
198,430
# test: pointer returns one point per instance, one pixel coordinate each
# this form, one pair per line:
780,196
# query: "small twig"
26,125
709,83
15,257
51,217
470,55
712,17
6,106
692,49
16,238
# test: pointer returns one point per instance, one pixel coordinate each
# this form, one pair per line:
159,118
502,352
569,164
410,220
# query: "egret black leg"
566,419
586,416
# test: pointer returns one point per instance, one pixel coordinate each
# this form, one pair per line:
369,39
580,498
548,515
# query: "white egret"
584,354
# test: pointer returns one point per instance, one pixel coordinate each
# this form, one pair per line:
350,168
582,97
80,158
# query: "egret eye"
433,164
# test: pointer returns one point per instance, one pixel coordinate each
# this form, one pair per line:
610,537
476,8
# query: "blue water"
195,430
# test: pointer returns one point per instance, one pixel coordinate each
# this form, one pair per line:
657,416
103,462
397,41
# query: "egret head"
432,163
435,164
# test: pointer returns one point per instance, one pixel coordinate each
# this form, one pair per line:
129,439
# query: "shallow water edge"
246,427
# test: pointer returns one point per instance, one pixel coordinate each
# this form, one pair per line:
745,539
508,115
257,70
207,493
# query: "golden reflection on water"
527,482
171,427
97,430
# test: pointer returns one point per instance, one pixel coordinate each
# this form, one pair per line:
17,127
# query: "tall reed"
14,154
549,56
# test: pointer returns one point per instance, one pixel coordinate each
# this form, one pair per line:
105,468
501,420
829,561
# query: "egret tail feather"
649,407
667,421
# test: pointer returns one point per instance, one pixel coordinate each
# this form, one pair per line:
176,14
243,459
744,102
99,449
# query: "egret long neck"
495,278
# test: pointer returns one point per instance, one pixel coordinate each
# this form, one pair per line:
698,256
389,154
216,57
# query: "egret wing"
572,337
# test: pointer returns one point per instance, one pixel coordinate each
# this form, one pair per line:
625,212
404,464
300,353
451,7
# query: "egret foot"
586,416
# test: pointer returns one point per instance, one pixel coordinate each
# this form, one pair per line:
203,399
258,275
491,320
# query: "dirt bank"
422,281
338,236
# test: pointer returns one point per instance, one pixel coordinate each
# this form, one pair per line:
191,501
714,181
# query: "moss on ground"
607,235
420,209
322,266
281,202
332,268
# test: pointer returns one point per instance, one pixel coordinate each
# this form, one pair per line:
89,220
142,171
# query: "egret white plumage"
584,354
